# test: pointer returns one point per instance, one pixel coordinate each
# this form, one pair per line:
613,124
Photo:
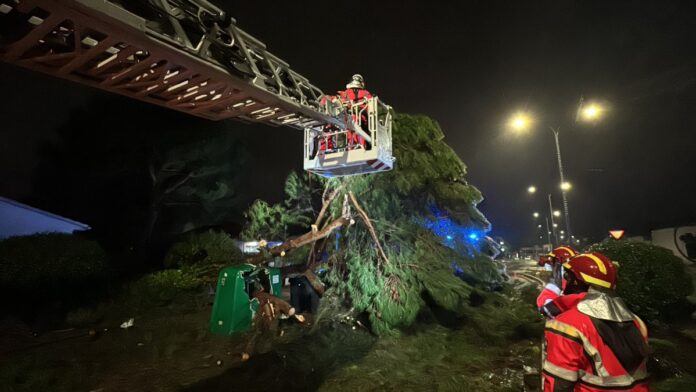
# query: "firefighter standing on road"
556,258
599,344
553,298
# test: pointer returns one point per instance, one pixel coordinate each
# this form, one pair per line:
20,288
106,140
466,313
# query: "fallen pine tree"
388,242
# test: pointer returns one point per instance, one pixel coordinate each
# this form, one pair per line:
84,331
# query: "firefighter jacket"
554,304
598,345
353,94
550,292
350,97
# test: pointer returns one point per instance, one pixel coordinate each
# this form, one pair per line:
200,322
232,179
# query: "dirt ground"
170,349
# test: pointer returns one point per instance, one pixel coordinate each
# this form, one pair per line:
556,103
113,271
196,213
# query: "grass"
170,349
435,359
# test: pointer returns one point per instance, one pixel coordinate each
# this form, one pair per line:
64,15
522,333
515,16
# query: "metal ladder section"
181,54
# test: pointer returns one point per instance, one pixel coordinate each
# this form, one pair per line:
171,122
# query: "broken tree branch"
370,228
295,243
326,202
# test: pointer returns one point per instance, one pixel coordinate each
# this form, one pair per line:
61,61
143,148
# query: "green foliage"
652,280
39,264
505,317
162,287
275,222
678,383
428,166
390,293
209,247
269,222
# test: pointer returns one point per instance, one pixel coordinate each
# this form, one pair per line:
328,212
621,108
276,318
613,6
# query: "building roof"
20,219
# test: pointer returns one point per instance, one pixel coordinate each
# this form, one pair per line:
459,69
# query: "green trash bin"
233,309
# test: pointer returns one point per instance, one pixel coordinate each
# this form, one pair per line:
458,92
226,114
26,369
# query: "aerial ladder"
190,56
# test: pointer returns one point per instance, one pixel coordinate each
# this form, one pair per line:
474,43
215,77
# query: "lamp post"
564,185
590,112
553,224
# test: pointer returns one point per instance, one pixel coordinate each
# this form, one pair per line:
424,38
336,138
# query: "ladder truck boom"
103,45
186,55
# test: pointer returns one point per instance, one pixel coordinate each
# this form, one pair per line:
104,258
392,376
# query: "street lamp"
531,189
591,111
587,112
536,215
520,122
557,213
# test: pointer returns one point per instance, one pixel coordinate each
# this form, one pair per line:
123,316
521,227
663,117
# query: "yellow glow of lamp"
592,112
520,121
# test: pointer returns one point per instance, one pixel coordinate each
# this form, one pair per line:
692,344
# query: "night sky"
469,66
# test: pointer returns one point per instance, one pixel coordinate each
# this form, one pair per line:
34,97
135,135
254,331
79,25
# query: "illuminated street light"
520,122
536,215
555,225
538,226
562,232
592,112
557,213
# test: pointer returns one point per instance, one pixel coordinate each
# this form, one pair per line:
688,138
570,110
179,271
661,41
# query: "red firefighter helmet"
561,253
593,268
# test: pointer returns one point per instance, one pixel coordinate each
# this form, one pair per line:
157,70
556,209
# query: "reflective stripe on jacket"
580,357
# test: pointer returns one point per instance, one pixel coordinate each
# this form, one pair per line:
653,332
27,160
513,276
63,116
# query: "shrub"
210,247
163,287
50,263
652,280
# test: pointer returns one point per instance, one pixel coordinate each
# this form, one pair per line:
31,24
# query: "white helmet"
356,81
